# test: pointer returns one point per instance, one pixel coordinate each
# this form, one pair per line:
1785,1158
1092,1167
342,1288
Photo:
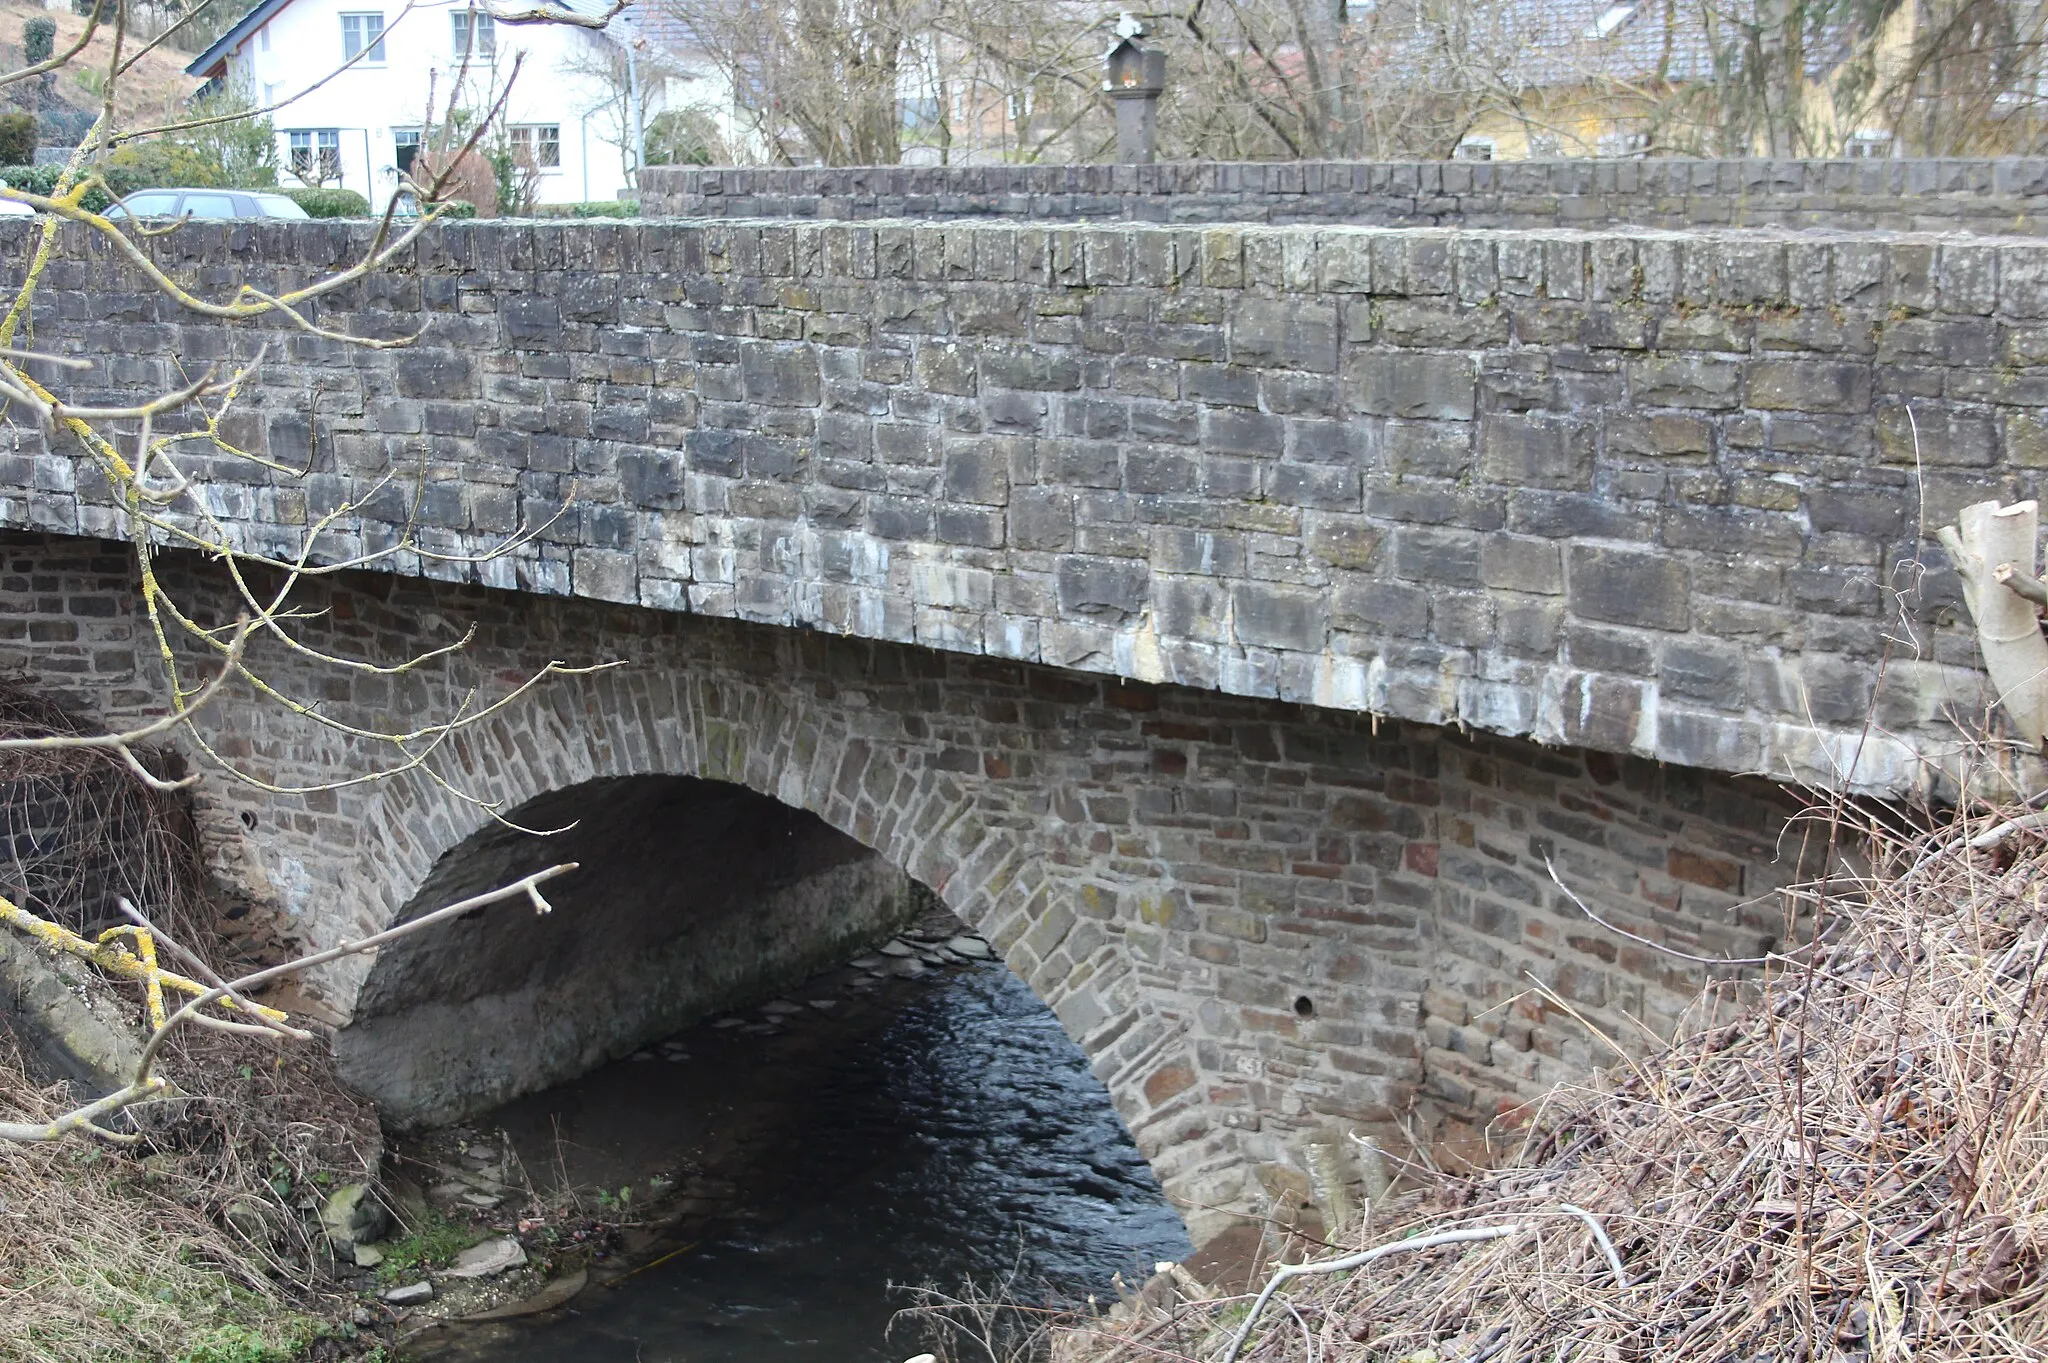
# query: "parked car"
205,203
15,207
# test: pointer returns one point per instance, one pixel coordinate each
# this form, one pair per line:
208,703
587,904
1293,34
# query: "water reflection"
960,1134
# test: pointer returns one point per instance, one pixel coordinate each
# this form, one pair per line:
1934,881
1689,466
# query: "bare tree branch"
147,1083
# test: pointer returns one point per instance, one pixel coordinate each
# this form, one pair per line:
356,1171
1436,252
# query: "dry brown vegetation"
195,1250
194,1245
1853,1167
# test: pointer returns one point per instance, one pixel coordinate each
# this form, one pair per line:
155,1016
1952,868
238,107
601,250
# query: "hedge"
330,203
602,208
17,139
43,180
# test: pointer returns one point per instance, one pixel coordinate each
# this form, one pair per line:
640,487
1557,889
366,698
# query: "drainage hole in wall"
1305,1007
249,819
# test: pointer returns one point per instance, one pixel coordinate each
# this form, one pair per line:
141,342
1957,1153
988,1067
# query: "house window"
406,142
1869,145
537,144
1545,146
363,33
1622,144
1020,105
315,154
475,35
1474,149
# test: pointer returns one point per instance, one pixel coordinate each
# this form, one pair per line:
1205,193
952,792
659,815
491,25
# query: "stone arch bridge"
1232,623
1260,920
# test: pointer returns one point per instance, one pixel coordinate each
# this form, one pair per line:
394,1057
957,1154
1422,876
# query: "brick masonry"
1261,919
1647,493
1979,196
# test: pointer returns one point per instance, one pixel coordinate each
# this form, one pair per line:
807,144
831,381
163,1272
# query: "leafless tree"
819,78
1971,81
1815,77
1021,80
158,456
1301,80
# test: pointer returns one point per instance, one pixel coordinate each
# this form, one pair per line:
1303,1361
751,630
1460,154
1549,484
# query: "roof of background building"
1561,41
1558,41
205,62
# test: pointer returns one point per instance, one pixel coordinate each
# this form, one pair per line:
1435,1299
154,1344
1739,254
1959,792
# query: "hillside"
152,91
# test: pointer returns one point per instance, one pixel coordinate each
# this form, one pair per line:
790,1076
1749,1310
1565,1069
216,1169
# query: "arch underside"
689,897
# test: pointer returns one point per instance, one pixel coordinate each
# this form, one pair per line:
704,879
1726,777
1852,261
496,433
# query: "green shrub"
330,203
271,1341
34,179
433,1241
237,152
38,39
242,146
125,180
43,180
17,139
164,162
458,208
603,208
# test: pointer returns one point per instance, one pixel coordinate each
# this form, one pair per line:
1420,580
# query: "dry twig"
147,1083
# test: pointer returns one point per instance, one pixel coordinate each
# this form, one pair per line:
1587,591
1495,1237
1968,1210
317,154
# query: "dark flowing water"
929,1131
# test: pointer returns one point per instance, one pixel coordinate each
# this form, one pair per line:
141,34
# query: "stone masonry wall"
1639,493
1260,919
1979,196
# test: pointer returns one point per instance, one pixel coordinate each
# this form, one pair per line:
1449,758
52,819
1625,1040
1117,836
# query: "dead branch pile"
78,831
1855,1169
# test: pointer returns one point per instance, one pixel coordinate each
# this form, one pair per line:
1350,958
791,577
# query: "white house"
355,94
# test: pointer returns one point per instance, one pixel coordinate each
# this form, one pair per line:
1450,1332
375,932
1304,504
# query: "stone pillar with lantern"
1133,77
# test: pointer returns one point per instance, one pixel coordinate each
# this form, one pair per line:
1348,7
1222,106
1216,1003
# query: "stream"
867,1132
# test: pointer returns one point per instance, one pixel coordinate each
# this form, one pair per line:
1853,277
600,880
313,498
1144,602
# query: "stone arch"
781,715
631,722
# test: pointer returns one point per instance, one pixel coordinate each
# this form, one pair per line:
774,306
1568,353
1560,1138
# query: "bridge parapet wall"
1649,493
1985,195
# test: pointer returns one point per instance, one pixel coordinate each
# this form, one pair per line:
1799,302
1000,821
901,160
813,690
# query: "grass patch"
432,1242
252,1344
106,1259
112,1270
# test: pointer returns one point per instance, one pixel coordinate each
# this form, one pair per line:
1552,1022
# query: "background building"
356,97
